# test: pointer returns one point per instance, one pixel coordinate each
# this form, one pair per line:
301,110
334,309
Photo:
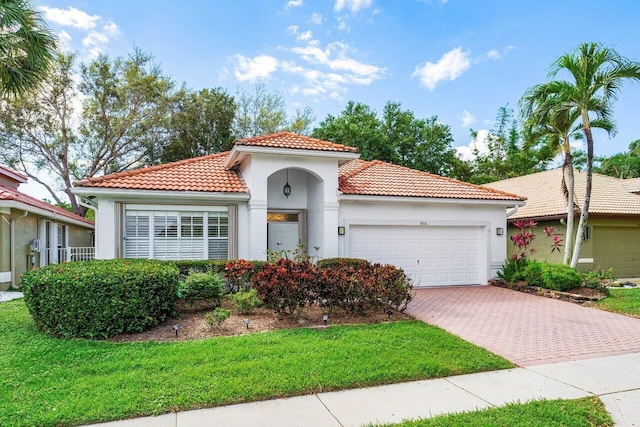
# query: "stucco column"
329,248
257,210
106,234
5,252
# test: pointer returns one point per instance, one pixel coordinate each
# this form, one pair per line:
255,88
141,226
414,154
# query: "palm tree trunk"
584,214
570,209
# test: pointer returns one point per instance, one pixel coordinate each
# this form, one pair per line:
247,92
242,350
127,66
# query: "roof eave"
239,151
444,200
15,204
125,194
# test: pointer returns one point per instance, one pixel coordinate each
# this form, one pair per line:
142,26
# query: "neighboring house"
35,233
613,237
233,205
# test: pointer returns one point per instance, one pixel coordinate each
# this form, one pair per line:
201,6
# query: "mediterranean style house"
277,191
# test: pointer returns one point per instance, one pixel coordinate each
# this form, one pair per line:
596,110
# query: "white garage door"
432,256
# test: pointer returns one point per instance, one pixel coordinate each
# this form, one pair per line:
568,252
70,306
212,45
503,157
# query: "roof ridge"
260,138
443,178
366,164
149,168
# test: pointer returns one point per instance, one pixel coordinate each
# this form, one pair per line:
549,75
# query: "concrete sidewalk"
616,379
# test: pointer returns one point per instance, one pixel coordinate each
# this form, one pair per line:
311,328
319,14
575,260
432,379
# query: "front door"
283,236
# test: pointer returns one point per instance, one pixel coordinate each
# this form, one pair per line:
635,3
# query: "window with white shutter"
174,235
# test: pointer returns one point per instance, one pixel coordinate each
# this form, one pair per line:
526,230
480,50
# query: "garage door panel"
432,256
617,248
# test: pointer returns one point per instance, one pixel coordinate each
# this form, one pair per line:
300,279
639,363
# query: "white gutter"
513,211
12,254
87,203
45,213
158,194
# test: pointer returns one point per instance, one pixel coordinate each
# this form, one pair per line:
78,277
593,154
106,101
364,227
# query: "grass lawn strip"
48,381
587,412
624,301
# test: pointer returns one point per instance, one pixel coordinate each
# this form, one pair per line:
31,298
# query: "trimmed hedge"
337,262
202,287
211,266
558,277
100,298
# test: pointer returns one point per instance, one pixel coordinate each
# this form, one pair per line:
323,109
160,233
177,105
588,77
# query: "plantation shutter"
218,233
136,234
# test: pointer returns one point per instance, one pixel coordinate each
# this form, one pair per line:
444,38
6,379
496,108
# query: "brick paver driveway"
526,329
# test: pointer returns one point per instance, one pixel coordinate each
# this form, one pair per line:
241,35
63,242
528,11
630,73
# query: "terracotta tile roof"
206,174
609,196
294,141
11,173
376,178
632,184
10,194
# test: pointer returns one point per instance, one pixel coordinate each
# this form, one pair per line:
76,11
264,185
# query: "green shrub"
100,298
514,270
336,262
597,285
558,277
202,287
216,317
599,274
211,266
245,301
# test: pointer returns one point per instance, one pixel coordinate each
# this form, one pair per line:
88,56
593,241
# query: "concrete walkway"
8,296
526,329
616,379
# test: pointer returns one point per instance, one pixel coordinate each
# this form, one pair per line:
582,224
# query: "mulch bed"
193,326
581,295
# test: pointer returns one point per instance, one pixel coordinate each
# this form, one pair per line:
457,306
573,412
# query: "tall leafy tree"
397,137
261,112
122,112
27,48
622,165
595,76
510,151
199,124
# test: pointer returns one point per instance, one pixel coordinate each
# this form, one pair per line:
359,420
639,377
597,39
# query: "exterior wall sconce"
341,231
499,231
287,188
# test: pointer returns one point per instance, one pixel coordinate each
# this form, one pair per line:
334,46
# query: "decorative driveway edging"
525,329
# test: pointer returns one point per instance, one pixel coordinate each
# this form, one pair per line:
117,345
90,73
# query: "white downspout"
12,253
512,211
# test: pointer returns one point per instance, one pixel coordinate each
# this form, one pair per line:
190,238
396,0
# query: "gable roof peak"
293,141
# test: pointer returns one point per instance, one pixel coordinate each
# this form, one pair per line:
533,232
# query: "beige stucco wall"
26,229
542,243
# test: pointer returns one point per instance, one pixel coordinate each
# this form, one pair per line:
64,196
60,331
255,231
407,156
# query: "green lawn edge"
623,301
49,381
585,412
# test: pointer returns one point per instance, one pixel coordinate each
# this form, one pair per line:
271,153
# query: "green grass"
625,301
589,411
49,381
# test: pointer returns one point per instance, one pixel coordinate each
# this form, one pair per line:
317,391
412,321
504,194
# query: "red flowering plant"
238,273
514,268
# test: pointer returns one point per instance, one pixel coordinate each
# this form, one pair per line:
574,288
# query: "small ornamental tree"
238,273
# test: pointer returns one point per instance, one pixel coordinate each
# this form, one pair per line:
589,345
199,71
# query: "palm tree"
556,128
27,48
596,75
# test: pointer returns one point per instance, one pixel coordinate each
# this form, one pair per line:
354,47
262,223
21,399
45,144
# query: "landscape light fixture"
499,231
325,318
246,323
287,188
176,328
389,313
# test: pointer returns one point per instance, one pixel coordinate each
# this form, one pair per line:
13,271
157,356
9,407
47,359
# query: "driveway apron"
526,329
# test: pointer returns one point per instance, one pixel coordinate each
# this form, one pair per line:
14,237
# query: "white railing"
55,256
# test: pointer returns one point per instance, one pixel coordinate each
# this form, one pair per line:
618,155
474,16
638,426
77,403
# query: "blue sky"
458,59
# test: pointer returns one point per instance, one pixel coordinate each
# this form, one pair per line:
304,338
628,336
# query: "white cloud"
342,24
466,152
352,5
70,18
449,67
252,69
93,30
495,54
316,18
293,3
467,119
307,35
64,40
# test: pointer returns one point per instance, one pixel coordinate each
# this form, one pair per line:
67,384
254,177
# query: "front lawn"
624,301
587,412
48,381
